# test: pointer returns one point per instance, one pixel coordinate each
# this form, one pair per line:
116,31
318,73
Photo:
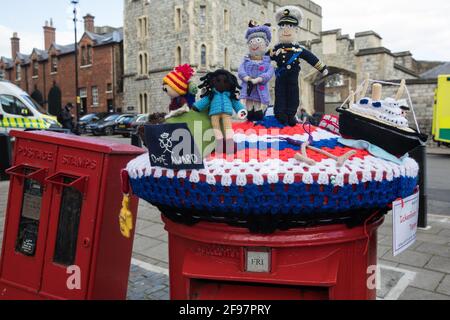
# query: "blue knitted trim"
278,198
270,122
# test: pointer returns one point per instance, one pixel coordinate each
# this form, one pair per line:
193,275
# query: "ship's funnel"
377,92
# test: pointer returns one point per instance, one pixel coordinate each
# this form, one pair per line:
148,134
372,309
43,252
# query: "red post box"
211,261
61,224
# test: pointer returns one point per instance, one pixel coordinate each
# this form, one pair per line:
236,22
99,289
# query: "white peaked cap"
289,11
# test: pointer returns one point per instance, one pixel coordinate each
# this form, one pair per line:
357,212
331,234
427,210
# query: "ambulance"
19,111
441,111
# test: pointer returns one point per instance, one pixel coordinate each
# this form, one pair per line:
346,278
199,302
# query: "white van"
19,111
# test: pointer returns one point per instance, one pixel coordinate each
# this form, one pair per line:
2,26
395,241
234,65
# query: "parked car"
139,121
104,126
123,125
89,119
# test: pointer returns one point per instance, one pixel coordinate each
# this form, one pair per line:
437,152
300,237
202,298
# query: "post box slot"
68,180
225,290
68,223
29,217
28,172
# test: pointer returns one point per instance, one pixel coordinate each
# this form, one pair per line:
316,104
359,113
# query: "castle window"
226,20
142,27
2,74
309,24
226,58
35,69
203,56
146,63
143,103
143,63
202,16
178,19
18,72
178,56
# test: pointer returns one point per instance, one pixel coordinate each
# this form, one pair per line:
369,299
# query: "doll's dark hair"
207,83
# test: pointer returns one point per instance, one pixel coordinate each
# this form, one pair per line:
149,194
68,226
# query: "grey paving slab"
412,293
159,252
389,279
425,279
388,263
385,230
142,224
141,243
151,261
147,285
435,249
153,231
386,241
381,251
439,264
444,286
164,237
445,233
432,238
411,258
433,230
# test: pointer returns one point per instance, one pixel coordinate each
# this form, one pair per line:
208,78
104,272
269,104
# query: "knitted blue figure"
221,92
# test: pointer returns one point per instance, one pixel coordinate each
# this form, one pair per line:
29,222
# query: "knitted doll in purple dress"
256,71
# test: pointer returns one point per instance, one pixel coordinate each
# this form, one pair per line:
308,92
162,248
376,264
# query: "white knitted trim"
272,171
251,136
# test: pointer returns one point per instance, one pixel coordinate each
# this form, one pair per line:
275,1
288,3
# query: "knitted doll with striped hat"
178,86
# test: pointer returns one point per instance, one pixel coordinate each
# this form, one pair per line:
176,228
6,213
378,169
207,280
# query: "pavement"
420,273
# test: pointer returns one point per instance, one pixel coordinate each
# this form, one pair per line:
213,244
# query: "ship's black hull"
394,140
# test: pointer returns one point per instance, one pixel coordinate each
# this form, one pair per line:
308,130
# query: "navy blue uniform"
287,95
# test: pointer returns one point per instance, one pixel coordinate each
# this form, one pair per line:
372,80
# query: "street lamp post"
77,102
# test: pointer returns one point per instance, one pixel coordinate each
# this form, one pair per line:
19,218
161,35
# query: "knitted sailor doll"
288,55
220,98
178,86
256,71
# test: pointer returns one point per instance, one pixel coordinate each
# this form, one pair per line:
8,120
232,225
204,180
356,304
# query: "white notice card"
405,215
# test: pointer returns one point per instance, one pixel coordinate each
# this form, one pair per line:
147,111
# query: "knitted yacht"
388,111
382,122
295,174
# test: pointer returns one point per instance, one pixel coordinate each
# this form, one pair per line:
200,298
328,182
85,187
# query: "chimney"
89,24
15,45
49,34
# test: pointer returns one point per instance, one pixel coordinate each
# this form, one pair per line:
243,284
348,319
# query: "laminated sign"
405,214
172,146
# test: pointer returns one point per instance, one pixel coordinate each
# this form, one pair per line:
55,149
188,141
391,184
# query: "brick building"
49,75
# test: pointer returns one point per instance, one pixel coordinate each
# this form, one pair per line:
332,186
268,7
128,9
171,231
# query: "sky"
422,27
33,15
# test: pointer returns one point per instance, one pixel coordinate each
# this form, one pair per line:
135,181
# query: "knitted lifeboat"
266,186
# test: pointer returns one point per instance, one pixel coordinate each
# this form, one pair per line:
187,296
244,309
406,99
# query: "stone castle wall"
163,39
